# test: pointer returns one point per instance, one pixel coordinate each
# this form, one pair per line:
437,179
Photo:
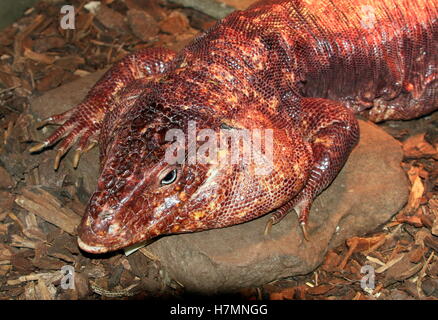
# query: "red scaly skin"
299,67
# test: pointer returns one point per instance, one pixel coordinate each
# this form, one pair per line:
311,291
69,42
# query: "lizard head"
153,182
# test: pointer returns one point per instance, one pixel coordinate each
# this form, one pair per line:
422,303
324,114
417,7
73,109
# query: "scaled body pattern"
302,68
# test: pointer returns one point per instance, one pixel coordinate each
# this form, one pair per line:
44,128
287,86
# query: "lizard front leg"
332,131
82,123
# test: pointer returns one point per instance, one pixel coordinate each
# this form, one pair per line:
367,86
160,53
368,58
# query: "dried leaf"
432,242
6,181
390,263
38,57
286,294
416,254
320,290
175,23
142,24
110,18
417,147
20,242
399,269
365,244
331,261
5,252
49,208
430,287
416,194
42,291
415,220
433,205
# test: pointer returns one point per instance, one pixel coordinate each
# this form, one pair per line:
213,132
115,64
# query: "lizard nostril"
106,214
113,229
100,225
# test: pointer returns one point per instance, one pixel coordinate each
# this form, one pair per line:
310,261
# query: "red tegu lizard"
302,68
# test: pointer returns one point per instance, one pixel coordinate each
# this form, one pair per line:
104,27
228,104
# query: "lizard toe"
87,142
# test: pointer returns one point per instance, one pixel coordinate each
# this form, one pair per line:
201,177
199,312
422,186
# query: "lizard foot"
302,209
73,128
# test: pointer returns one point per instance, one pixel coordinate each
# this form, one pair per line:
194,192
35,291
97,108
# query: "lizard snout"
101,237
100,231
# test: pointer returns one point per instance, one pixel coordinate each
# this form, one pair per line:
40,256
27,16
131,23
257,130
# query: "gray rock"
368,192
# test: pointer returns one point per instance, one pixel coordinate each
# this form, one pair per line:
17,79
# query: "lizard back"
374,55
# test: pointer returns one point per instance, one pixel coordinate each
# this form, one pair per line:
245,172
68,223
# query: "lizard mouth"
99,246
102,238
96,249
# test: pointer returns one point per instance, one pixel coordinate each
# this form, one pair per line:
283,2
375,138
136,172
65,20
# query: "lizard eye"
170,177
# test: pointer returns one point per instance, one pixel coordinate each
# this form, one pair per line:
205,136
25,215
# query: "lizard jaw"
92,249
92,242
95,247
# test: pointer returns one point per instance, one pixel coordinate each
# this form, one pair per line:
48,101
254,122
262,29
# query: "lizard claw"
303,226
55,119
58,157
269,225
272,221
80,151
38,147
40,124
44,122
276,217
77,157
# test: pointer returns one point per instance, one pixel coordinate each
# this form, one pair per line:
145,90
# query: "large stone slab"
370,189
